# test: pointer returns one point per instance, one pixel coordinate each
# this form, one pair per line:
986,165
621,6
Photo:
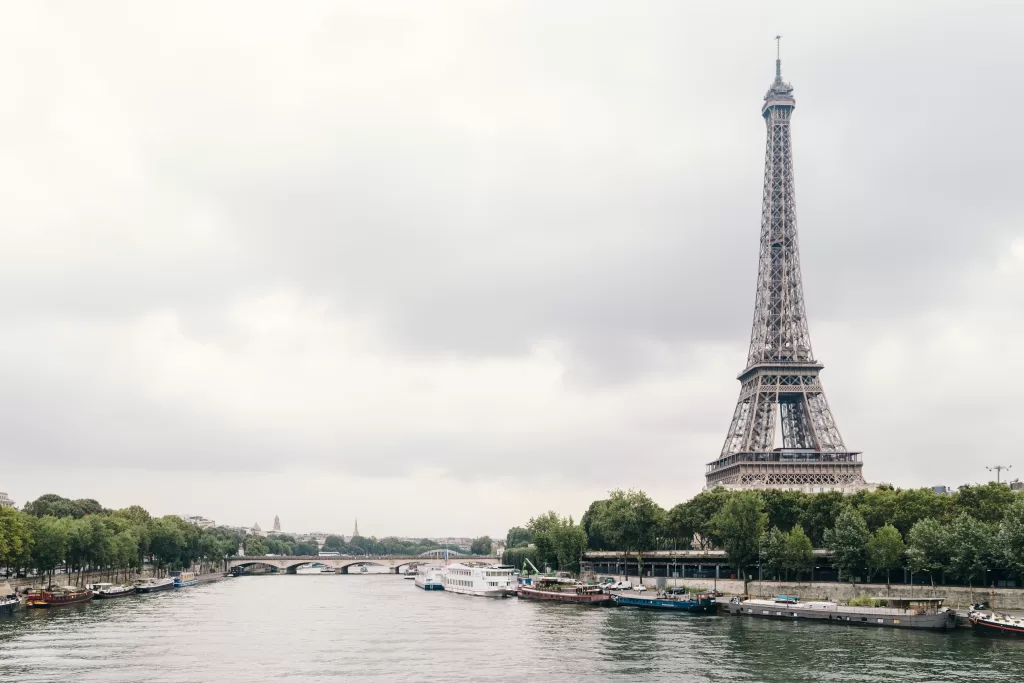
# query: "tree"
928,548
740,524
543,529
913,505
570,544
166,542
255,545
630,521
517,536
848,542
306,548
773,552
986,503
972,546
784,508
878,508
482,546
697,514
1011,537
335,544
799,553
595,541
15,538
51,544
885,550
821,512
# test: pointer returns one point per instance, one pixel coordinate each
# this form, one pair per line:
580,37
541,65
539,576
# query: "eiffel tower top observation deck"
780,387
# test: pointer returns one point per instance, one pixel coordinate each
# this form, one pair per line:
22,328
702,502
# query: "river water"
382,628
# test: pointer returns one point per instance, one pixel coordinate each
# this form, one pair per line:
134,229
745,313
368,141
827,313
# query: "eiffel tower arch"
780,389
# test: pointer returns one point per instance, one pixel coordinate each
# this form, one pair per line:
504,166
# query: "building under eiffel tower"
780,389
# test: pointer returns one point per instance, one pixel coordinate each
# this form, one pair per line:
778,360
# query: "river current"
382,628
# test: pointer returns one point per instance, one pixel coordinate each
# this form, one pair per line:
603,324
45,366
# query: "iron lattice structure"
780,386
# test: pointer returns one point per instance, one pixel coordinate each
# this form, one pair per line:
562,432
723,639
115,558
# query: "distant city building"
256,530
199,521
355,532
1015,485
5,501
277,523
460,542
942,490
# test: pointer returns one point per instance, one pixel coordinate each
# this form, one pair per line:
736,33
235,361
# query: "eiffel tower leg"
823,423
762,424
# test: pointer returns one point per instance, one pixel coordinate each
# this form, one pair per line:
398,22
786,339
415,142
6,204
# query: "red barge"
58,597
578,595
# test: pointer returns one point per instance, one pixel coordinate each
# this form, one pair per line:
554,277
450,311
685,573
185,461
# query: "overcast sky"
446,265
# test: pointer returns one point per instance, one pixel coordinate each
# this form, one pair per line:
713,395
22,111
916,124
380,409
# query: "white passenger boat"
491,581
430,578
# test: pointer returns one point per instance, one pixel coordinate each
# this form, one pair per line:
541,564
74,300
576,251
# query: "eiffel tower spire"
781,377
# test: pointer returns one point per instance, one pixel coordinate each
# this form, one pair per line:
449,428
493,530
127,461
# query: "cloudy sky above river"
446,265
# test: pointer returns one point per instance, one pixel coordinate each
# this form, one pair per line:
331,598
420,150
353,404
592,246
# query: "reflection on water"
352,628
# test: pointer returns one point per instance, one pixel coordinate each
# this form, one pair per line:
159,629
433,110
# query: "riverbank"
957,597
25,584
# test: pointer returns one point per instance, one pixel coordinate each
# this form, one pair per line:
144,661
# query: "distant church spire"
277,523
355,532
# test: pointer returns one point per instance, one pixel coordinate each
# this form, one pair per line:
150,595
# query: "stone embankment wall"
959,597
93,577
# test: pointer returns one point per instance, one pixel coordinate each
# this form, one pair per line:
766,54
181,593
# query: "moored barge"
183,579
107,591
993,624
580,595
55,596
917,613
700,603
153,585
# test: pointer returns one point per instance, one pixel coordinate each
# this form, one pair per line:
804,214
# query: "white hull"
494,581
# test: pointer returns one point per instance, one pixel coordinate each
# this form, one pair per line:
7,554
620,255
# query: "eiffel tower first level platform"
780,389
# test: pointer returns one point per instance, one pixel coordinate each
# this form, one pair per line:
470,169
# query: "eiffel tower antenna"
780,384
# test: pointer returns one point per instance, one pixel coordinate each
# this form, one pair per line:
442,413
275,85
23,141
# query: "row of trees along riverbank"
968,535
53,533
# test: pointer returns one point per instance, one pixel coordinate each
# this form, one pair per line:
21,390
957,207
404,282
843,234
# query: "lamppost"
999,469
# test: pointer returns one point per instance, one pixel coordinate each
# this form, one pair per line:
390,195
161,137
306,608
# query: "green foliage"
482,546
557,541
517,556
15,537
928,546
820,513
517,537
595,541
740,524
864,601
1011,537
986,503
335,544
773,552
630,520
848,541
50,504
799,553
694,517
885,550
972,548
784,508
255,545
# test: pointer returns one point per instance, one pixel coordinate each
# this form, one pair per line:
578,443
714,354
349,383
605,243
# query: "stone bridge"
394,564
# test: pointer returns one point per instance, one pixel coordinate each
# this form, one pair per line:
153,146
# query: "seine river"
382,628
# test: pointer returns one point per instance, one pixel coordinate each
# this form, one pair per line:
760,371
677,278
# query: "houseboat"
183,579
153,585
699,603
58,596
430,578
918,613
491,581
9,600
993,624
555,591
106,591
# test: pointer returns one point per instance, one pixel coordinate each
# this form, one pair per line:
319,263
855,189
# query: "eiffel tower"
780,386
